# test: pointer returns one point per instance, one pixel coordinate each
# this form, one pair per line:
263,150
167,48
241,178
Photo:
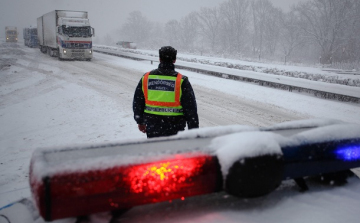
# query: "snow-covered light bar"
242,160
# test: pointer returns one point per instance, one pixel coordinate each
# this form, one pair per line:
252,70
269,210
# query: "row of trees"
314,31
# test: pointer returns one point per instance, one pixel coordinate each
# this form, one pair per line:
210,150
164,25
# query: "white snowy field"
49,103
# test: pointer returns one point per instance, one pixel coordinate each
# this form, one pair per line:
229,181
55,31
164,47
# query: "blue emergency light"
348,152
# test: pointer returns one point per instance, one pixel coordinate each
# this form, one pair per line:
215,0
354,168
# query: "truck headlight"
90,51
64,51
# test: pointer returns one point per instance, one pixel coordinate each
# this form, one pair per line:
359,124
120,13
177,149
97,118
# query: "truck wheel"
60,58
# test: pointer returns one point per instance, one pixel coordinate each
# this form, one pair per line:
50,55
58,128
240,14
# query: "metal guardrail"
319,89
339,71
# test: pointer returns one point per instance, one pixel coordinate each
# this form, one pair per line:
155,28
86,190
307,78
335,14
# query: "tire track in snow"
217,108
118,83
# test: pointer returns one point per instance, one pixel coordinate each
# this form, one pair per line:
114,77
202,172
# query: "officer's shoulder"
155,71
183,76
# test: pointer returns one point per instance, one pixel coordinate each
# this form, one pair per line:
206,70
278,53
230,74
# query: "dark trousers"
157,125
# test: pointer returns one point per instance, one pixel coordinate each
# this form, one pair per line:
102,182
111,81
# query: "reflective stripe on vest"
156,109
162,94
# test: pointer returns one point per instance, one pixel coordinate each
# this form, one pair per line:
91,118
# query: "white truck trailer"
65,34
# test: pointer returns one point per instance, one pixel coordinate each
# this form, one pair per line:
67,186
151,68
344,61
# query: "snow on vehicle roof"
316,122
228,143
74,22
47,162
72,14
237,146
336,132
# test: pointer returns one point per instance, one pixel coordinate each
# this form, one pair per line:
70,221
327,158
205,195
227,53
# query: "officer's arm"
139,104
188,102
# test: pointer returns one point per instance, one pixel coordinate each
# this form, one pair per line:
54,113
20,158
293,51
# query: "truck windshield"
77,31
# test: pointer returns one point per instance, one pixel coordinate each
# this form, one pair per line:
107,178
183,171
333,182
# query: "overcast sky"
106,15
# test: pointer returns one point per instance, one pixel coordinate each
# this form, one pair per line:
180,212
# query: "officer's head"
167,54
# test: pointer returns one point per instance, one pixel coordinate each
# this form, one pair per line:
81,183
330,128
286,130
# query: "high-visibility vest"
162,94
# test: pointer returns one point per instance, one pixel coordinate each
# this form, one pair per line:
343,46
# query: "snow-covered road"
116,83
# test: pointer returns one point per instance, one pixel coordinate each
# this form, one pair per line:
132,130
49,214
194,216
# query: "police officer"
164,101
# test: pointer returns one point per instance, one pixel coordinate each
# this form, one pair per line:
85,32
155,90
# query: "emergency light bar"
69,182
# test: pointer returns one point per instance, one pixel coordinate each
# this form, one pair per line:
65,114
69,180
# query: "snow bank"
313,74
308,123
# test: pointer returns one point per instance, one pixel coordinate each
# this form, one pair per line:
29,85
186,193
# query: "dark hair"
167,53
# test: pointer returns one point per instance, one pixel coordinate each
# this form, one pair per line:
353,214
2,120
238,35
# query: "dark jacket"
160,125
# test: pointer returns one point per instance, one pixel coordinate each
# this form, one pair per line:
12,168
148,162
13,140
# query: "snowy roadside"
309,73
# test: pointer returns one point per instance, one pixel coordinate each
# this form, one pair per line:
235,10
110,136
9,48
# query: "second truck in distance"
11,34
65,34
30,37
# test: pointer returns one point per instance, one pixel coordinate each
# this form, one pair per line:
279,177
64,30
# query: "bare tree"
326,28
291,35
234,25
137,28
172,32
266,30
188,31
272,30
325,22
210,25
108,40
157,36
350,51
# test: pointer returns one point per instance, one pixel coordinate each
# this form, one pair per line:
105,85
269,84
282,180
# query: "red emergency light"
80,193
